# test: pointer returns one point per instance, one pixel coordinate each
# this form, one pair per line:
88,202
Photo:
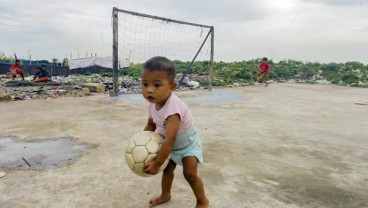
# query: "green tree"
65,62
4,58
354,65
55,60
349,78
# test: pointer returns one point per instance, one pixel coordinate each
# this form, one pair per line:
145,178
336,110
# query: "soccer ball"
143,147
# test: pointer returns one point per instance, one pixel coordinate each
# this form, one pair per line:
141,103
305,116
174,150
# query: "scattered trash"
361,103
71,86
26,162
2,174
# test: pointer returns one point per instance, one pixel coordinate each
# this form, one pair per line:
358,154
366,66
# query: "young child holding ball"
171,118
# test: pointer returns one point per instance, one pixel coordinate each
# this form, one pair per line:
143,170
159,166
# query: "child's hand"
151,167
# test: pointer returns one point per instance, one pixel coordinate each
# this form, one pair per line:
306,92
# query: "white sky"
306,30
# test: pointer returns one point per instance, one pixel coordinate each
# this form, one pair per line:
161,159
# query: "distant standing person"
15,70
263,68
42,75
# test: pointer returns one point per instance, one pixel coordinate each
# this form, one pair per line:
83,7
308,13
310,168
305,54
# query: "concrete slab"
288,145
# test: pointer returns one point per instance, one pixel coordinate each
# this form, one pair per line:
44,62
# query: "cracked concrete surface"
288,145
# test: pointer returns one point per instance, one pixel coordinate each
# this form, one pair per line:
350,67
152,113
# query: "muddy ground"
288,145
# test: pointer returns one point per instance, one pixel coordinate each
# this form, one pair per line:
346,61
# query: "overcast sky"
306,30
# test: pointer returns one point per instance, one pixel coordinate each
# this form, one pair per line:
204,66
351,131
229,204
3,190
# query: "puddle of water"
197,97
40,154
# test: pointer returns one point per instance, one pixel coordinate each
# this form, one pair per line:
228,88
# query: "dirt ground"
288,145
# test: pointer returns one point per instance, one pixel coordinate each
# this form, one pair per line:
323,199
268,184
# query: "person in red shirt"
263,68
16,70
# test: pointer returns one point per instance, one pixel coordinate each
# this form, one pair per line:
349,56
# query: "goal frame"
115,47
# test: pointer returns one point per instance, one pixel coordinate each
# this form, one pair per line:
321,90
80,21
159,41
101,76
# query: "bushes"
244,72
133,71
107,74
350,78
333,77
347,78
202,82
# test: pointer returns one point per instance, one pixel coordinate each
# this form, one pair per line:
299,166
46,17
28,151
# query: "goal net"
138,37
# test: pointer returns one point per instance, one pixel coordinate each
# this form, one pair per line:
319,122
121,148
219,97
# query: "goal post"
138,37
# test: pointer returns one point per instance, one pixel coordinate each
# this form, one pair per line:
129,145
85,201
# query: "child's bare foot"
205,204
159,200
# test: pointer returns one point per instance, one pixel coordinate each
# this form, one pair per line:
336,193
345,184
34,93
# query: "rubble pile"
71,86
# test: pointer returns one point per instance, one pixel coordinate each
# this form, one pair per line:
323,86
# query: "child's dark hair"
264,59
160,63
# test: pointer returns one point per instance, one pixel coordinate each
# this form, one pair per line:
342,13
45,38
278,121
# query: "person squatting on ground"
263,68
15,70
172,119
42,75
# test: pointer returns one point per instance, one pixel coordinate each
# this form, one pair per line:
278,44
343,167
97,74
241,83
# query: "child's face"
156,87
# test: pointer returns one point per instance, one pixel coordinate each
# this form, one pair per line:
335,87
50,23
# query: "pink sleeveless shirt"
172,106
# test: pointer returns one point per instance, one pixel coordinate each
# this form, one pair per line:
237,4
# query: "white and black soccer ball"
143,147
